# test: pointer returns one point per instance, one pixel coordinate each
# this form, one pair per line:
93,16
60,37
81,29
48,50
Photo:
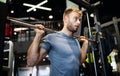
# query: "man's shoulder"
53,34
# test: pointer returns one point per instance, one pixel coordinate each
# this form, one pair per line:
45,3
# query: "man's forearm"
33,52
84,51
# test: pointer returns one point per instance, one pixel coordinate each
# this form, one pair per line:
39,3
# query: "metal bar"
27,24
92,48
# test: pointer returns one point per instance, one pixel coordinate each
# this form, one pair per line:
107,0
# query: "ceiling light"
38,6
12,11
51,17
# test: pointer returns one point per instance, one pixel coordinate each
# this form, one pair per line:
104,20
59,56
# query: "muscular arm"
34,53
84,49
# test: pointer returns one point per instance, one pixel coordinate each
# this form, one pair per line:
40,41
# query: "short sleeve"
45,43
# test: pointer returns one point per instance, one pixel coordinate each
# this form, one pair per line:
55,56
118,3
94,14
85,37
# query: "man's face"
73,22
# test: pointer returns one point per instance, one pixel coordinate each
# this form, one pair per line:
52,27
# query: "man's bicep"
43,53
44,48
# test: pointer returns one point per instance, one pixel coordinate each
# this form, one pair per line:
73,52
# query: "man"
65,53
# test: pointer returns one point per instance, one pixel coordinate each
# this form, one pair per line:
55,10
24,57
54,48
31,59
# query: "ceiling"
106,11
20,10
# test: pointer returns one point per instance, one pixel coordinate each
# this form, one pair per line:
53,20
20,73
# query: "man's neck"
67,32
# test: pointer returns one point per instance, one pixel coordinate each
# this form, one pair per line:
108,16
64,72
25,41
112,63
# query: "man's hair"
69,10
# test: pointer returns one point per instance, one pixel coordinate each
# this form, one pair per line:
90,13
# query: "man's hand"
39,29
82,39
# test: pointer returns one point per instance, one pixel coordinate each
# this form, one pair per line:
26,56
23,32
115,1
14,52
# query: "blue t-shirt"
64,54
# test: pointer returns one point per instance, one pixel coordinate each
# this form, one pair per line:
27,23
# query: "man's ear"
65,19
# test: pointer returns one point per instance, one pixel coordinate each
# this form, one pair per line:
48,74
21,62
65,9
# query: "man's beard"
70,28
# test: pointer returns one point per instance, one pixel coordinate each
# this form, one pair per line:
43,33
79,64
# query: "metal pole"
92,48
98,29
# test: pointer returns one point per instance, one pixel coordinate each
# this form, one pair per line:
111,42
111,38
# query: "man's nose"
78,21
